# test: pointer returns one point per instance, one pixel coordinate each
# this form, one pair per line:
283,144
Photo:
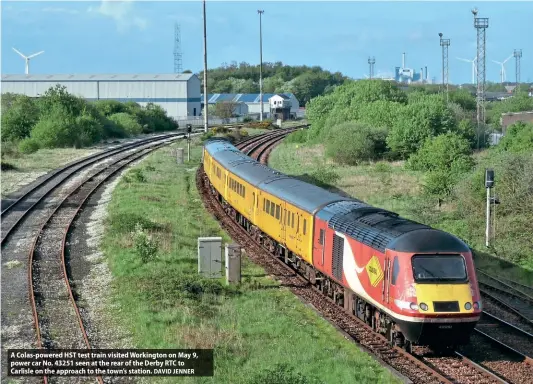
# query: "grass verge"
390,186
24,168
261,332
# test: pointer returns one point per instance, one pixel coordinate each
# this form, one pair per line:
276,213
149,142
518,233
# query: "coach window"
267,207
395,270
272,209
277,211
305,225
292,221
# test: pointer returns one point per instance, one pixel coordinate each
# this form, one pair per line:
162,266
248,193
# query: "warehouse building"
178,94
249,103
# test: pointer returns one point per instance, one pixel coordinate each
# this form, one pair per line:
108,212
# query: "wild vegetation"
305,82
163,302
415,137
59,119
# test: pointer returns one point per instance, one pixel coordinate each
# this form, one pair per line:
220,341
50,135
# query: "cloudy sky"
138,37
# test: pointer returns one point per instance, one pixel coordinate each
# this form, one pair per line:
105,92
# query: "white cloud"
122,12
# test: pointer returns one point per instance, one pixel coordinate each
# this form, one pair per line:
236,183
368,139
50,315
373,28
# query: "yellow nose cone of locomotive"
430,293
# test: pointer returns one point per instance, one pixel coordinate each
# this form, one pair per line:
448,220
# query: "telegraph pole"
371,62
206,98
261,63
481,24
517,55
445,43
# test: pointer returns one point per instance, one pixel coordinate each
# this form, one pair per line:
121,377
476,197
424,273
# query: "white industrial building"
249,103
178,94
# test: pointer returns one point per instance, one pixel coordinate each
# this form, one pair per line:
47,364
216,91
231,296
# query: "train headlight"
413,306
423,306
468,306
477,305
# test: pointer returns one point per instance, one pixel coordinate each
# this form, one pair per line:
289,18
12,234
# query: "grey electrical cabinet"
210,257
233,263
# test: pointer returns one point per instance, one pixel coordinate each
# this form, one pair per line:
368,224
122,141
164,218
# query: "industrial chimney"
426,76
403,60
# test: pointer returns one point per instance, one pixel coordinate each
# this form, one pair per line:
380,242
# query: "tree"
444,158
187,71
19,117
127,122
225,109
419,121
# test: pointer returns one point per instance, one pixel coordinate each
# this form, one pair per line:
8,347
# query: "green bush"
297,137
442,152
28,145
467,129
145,246
89,130
56,128
325,175
127,123
247,119
351,143
135,175
518,138
110,107
416,122
19,116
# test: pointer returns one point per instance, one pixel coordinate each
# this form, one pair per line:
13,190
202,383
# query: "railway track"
38,239
419,368
508,297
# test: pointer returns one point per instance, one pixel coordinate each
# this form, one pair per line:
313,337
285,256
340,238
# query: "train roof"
303,195
382,229
374,227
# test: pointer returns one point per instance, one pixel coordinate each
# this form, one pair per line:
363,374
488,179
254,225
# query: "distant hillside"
305,82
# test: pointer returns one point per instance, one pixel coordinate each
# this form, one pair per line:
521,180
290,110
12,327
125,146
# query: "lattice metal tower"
517,55
445,43
371,62
481,24
178,65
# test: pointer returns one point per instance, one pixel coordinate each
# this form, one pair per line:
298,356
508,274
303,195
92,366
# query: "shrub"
441,152
127,123
518,138
325,176
419,121
19,118
351,143
135,175
28,145
89,130
145,246
57,128
110,107
297,137
247,119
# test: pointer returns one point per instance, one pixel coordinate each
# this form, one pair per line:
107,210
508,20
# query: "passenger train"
412,283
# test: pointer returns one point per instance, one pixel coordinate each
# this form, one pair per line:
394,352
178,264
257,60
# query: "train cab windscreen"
439,268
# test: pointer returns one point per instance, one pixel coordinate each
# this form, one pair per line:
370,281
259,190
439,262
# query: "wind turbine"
27,59
502,71
474,68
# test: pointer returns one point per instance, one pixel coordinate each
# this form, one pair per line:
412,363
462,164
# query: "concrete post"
233,263
179,155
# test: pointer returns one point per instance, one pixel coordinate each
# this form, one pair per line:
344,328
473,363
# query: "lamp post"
260,12
205,75
445,43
